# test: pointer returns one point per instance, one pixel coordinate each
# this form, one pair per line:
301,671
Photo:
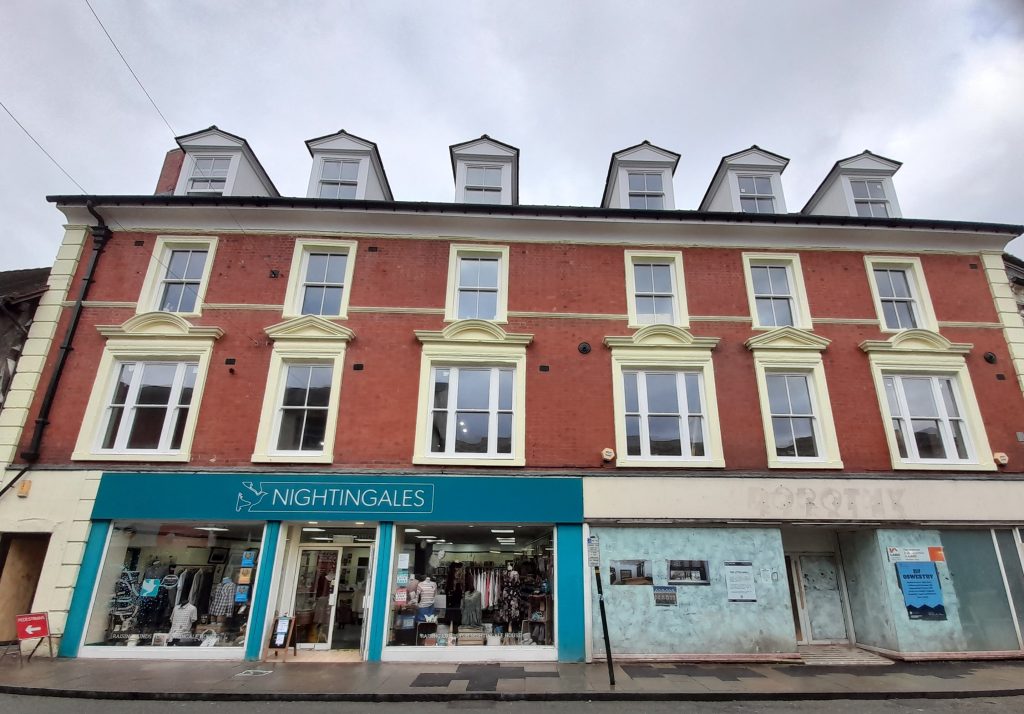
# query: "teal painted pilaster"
381,596
261,594
571,634
78,613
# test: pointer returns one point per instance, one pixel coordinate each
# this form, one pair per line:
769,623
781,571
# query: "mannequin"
222,601
427,589
510,607
183,618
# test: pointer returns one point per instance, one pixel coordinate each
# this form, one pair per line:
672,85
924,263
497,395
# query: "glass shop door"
316,597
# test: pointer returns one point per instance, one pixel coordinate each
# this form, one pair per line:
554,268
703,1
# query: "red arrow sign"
32,625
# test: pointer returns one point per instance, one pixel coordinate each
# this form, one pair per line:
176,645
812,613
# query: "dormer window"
209,175
483,184
869,198
756,195
646,190
339,178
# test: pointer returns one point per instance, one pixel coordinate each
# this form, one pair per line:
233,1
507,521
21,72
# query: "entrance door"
21,563
316,597
817,599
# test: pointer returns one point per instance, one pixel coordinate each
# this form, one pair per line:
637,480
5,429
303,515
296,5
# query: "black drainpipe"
100,235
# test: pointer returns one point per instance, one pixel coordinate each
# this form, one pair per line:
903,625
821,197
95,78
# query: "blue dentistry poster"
922,592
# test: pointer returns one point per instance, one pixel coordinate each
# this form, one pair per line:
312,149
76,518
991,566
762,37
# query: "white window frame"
485,189
892,204
297,275
666,348
791,351
188,170
883,201
471,343
921,353
305,340
493,410
458,251
159,262
740,195
131,407
799,305
355,183
151,337
674,259
923,311
942,417
646,193
684,415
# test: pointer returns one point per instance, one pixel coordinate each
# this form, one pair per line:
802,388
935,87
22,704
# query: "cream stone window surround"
467,343
673,259
926,353
798,291
297,274
159,262
792,351
154,336
301,341
923,310
456,252
672,349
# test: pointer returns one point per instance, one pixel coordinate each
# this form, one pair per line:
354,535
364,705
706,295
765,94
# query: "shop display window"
466,585
175,585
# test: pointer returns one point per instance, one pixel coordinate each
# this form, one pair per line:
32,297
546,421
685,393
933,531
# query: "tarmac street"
13,704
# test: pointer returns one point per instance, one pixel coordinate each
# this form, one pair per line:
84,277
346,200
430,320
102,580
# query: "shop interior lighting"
496,552
426,537
312,523
360,523
412,530
216,529
502,530
312,530
364,540
325,538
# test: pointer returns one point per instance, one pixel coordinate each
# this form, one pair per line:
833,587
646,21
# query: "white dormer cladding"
861,186
486,171
220,164
640,177
347,166
749,181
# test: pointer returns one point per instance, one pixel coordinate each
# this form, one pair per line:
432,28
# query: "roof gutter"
429,207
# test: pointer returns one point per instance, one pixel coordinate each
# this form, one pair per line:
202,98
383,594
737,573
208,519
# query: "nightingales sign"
286,497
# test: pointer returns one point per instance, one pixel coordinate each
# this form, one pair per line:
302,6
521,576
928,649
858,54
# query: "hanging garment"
471,610
223,602
510,609
182,619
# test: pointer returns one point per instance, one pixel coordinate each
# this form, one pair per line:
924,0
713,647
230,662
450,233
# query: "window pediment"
662,336
309,327
473,331
159,326
788,338
916,341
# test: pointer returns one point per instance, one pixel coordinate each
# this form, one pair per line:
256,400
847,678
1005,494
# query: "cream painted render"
826,500
59,503
1006,308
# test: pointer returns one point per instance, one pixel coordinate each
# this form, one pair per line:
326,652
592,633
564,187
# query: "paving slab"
277,681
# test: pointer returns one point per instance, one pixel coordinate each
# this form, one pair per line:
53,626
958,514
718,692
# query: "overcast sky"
936,85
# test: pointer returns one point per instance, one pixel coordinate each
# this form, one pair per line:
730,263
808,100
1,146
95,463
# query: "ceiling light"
326,538
500,530
427,537
412,530
312,523
364,540
498,552
360,523
211,528
312,530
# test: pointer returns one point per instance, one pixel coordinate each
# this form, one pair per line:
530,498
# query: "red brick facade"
569,416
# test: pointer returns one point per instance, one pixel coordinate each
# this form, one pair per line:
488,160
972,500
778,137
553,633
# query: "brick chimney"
169,173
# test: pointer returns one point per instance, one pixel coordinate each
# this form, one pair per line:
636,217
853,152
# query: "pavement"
375,682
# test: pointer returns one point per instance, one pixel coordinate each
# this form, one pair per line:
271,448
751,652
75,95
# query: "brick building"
396,423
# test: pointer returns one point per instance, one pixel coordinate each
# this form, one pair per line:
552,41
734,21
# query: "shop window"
655,291
477,283
320,280
178,275
175,585
490,586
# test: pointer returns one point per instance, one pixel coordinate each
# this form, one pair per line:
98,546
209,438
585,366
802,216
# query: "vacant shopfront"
200,565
